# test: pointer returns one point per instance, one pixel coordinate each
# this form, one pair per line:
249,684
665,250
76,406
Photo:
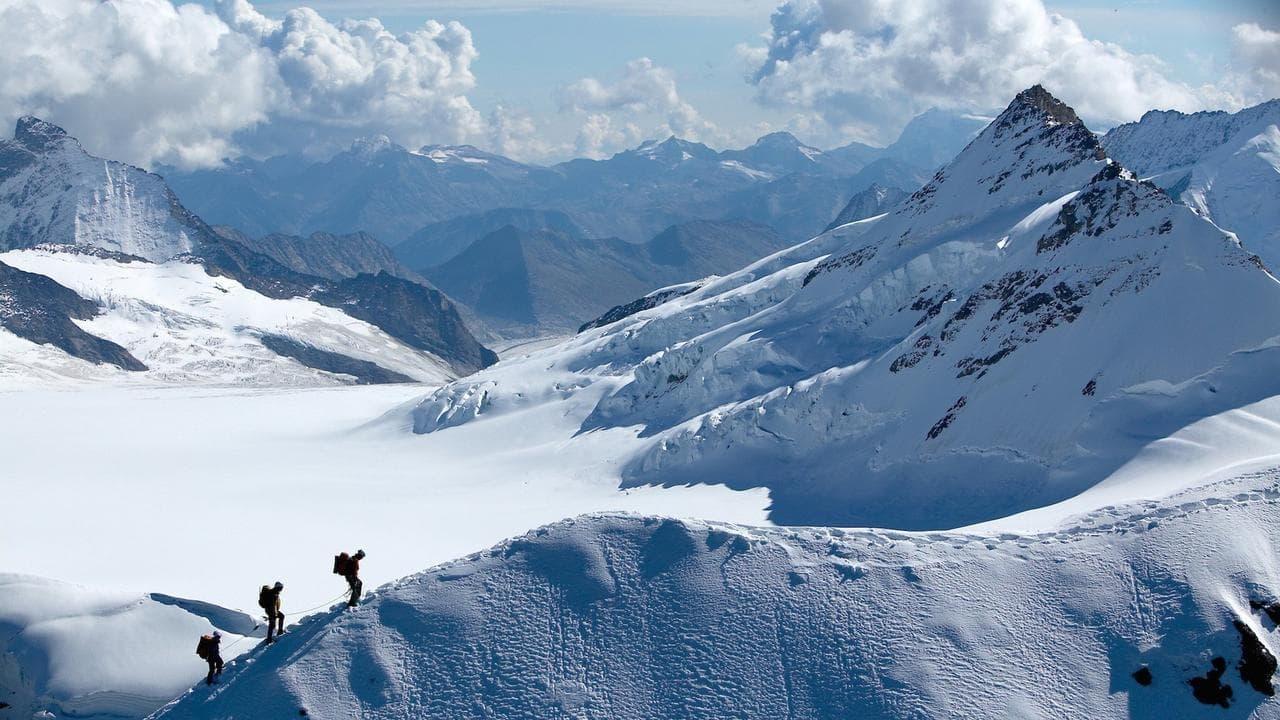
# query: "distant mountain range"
395,193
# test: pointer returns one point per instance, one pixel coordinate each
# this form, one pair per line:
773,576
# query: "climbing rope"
257,625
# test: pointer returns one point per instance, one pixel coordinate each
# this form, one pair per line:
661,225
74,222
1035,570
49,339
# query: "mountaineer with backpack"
348,566
208,649
269,600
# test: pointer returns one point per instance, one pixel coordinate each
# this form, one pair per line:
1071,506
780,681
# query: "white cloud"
1256,52
644,94
150,81
514,133
868,65
600,136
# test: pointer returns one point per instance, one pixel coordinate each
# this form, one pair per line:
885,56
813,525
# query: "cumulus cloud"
868,65
644,94
150,81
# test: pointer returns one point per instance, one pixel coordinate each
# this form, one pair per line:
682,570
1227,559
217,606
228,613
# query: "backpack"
264,598
341,564
204,647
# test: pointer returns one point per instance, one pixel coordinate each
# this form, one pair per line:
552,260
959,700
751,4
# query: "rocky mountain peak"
36,134
1037,98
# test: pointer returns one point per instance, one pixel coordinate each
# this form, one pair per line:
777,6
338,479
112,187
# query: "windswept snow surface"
82,652
1005,339
189,327
617,617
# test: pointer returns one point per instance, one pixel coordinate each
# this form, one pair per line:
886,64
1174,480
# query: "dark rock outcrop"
1257,664
1210,689
365,372
417,315
652,300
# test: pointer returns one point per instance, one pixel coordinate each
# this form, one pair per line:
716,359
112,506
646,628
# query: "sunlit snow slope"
1004,339
187,326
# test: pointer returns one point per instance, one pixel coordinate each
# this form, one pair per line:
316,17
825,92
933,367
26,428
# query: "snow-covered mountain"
1002,340
1225,166
1128,613
104,267
52,191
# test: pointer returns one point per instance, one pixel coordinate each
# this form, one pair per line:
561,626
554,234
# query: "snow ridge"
617,616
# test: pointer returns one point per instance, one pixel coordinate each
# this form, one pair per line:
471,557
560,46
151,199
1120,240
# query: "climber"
269,600
208,649
348,566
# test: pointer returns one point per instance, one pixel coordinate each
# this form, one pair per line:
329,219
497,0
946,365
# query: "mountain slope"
524,283
897,371
375,186
179,324
636,617
79,652
440,242
324,254
41,311
394,193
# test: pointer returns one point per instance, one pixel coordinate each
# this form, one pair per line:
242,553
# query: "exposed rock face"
36,308
652,300
1224,166
365,372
